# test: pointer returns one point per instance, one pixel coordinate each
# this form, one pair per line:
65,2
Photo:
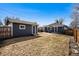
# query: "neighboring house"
55,27
40,29
22,28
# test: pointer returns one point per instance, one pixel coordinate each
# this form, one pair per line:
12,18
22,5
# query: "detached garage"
21,28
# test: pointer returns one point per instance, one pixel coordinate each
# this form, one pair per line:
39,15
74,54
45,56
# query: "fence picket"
5,32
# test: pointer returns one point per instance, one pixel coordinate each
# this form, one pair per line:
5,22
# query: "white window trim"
24,27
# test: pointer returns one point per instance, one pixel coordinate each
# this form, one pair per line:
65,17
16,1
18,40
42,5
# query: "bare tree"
5,20
57,21
60,21
10,18
75,16
1,22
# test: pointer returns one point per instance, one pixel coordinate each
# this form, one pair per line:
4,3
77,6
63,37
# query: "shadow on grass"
15,40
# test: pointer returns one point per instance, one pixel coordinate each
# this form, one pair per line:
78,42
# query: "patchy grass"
45,44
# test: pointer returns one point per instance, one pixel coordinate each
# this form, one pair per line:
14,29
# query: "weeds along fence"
73,32
5,32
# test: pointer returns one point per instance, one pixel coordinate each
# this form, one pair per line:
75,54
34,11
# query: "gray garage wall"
18,32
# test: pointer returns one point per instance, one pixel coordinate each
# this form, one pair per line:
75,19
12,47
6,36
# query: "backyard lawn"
44,44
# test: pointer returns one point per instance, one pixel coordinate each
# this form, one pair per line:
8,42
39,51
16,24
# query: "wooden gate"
5,32
76,35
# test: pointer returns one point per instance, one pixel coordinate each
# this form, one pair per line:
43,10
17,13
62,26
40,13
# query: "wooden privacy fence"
68,32
76,35
5,32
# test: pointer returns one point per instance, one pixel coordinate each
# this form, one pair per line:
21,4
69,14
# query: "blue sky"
42,13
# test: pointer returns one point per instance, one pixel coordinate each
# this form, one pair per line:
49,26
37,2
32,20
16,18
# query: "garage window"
22,27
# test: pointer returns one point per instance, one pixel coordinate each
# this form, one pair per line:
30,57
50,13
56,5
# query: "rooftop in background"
20,21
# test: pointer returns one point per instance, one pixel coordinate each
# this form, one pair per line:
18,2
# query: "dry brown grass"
45,44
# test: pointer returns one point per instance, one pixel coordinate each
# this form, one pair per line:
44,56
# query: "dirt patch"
46,44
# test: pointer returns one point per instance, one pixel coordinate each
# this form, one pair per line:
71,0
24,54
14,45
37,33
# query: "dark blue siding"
54,29
46,30
18,32
60,29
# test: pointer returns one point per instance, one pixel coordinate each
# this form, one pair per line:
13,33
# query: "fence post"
76,35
